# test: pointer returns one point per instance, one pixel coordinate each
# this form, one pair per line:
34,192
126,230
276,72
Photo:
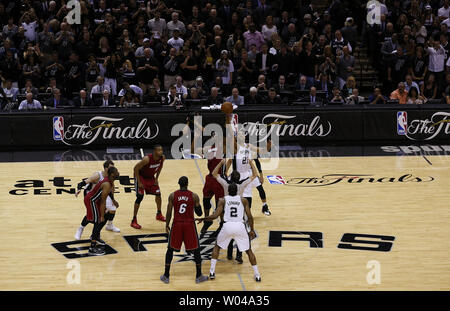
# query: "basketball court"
317,204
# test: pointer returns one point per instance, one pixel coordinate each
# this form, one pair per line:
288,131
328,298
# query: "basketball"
227,107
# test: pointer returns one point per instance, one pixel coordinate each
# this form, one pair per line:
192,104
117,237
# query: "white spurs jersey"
243,166
100,173
233,209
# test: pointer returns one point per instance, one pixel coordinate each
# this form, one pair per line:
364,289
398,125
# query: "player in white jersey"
233,206
111,203
242,184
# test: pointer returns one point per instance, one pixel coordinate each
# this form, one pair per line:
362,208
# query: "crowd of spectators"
170,52
408,44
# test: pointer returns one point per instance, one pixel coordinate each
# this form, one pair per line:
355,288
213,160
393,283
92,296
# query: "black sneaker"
96,251
206,225
99,241
265,210
258,278
239,258
212,276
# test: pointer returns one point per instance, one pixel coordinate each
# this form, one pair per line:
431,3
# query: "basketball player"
241,164
111,204
233,206
242,185
95,202
184,202
212,186
146,174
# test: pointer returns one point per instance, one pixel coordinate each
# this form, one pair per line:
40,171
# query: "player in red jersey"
184,202
212,186
95,202
146,173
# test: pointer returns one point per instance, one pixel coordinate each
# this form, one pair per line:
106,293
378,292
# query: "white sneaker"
111,227
79,233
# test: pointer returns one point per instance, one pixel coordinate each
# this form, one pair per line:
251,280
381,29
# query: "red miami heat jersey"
150,170
183,204
93,199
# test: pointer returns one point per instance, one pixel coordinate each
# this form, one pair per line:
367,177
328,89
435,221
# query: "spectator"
436,60
336,97
129,100
354,98
268,28
312,98
152,96
28,88
9,91
147,69
429,87
266,62
112,72
104,100
415,98
303,84
215,98
100,86
377,97
324,84
261,84
282,86
188,67
201,88
56,100
174,99
225,68
400,94
349,86
176,42
73,73
409,83
252,36
175,23
419,68
235,98
171,68
180,88
92,71
272,98
127,72
29,103
82,100
157,25
345,63
253,98
193,94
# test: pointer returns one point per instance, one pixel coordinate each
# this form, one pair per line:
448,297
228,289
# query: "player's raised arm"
228,165
145,160
217,213
169,212
106,188
249,218
215,172
197,206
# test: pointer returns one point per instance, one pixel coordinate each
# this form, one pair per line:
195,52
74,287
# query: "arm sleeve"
258,165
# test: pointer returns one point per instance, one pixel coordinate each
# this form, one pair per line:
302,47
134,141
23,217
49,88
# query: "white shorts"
235,231
248,190
109,205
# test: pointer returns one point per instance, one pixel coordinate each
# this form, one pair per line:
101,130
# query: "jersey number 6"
182,208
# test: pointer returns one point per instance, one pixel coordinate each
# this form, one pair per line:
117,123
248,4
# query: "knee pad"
139,198
207,203
262,193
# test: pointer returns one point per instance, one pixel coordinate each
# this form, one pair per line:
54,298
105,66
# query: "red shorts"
212,187
149,186
92,210
183,232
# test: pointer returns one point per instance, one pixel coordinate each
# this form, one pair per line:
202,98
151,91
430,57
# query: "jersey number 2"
233,212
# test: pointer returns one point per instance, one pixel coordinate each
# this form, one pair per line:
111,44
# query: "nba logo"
58,128
402,123
276,179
